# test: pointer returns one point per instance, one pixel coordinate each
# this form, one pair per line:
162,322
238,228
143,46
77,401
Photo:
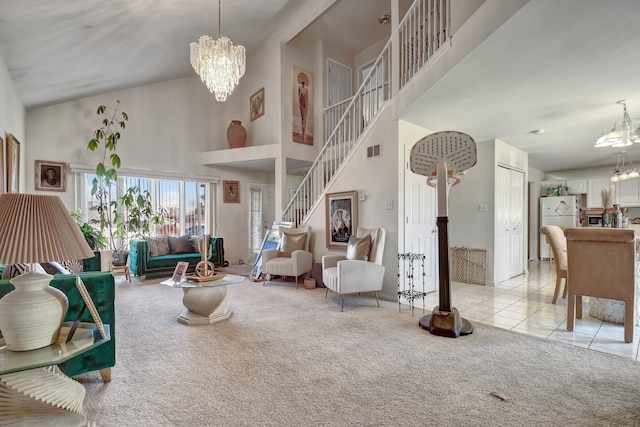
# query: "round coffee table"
205,301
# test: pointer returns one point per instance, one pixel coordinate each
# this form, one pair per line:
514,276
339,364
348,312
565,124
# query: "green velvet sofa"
101,287
142,264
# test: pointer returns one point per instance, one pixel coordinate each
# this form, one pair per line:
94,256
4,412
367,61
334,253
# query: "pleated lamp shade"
35,228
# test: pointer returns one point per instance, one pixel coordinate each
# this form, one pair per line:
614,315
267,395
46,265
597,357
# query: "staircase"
422,32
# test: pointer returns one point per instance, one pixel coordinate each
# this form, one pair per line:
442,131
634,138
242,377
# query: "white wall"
169,124
468,226
535,176
12,120
377,178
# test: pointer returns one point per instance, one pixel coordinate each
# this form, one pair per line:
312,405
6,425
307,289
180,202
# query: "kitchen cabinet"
577,186
594,191
628,193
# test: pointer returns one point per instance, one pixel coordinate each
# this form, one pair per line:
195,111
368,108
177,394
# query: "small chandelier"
621,134
619,173
219,63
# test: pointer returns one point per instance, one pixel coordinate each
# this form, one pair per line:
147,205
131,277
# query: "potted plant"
91,234
105,184
137,214
120,217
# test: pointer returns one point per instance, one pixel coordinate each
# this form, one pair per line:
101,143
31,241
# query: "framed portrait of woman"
50,176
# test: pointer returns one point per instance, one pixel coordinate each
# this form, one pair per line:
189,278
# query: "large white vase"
31,315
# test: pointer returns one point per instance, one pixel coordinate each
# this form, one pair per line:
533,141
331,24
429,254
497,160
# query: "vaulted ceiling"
556,65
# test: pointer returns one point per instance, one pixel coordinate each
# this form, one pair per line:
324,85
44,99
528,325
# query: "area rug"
289,357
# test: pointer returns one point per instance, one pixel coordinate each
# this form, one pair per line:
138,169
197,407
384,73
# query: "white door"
509,224
339,82
256,229
420,233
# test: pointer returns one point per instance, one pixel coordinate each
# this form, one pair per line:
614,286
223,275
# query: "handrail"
421,34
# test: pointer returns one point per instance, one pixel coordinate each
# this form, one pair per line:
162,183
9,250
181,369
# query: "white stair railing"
422,32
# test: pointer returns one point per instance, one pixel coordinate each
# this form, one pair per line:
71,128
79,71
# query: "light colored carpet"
289,357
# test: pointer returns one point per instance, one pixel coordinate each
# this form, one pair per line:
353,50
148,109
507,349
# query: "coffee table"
206,301
34,391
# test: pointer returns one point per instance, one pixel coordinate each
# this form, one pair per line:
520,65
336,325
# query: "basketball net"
452,179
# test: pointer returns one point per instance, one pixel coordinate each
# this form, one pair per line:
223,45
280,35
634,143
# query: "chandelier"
619,173
219,63
621,134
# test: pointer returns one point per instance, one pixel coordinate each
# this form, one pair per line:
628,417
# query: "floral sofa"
159,255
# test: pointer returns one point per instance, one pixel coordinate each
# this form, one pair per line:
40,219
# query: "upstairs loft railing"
424,29
422,32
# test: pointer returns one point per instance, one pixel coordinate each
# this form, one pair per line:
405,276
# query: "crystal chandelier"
621,134
219,63
619,173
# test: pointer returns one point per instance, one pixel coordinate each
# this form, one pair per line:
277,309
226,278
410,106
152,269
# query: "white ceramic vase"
31,315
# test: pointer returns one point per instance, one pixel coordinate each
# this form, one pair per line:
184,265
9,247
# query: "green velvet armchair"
101,287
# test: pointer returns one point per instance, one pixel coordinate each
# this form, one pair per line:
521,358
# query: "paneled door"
509,224
420,232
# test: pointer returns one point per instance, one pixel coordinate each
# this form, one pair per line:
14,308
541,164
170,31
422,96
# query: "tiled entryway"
523,304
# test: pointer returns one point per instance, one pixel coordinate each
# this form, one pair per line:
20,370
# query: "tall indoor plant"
104,185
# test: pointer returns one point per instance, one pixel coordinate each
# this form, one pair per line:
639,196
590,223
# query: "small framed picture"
92,308
50,176
256,105
13,164
180,272
231,190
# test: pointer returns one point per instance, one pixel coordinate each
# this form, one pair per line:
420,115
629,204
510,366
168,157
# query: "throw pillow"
292,242
14,270
180,245
196,243
158,245
359,247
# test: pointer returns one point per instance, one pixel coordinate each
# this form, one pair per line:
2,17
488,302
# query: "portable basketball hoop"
441,156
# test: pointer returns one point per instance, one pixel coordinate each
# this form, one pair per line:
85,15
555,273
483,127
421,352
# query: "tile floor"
523,304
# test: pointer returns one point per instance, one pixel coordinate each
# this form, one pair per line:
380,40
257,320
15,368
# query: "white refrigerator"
563,211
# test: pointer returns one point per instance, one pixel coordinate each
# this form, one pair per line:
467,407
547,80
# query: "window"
183,204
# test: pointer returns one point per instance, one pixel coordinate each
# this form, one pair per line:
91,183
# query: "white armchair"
293,258
361,269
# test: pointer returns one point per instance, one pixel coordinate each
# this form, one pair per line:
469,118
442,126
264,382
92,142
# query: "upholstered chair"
360,269
293,258
558,243
602,264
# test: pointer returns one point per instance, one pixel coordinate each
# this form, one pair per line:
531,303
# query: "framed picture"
50,176
13,164
302,88
256,105
3,172
231,191
180,271
92,308
342,218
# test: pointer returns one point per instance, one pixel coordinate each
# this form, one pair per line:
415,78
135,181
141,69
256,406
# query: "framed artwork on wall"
256,105
342,218
13,164
50,176
302,106
3,172
231,191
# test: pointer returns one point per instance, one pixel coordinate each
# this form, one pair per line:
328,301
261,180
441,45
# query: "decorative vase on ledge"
236,134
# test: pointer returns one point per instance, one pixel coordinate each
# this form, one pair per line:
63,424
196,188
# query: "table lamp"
35,229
